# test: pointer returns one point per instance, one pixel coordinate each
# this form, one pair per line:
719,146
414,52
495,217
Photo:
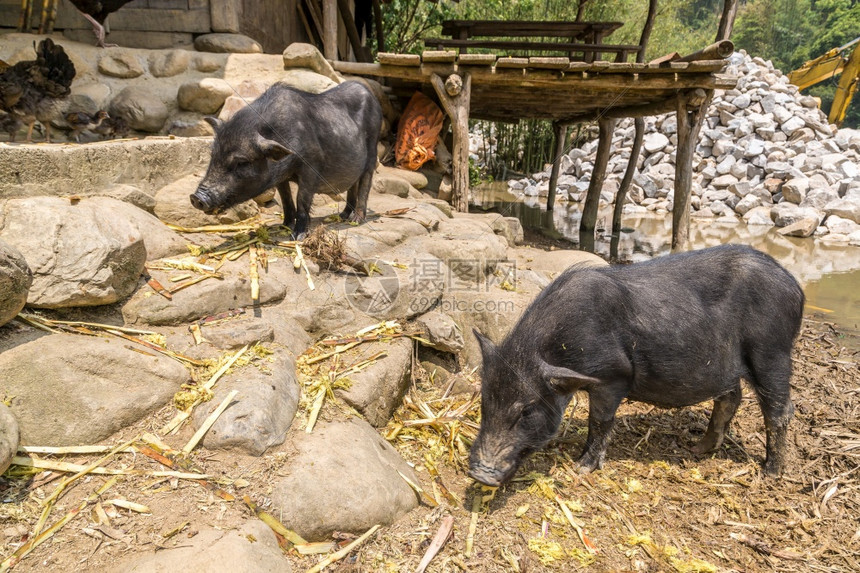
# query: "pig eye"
242,166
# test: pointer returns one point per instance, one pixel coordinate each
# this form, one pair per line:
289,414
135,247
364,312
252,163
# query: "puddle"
829,274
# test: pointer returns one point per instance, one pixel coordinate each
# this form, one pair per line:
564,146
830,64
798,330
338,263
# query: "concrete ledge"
28,170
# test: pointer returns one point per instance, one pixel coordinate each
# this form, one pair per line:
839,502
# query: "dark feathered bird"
81,121
97,12
112,127
29,89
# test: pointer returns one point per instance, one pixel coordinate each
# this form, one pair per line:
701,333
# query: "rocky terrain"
262,403
766,156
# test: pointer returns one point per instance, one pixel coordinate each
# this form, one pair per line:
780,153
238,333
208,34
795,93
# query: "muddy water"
830,274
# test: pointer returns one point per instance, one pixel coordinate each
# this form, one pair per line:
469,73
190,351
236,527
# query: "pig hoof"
702,447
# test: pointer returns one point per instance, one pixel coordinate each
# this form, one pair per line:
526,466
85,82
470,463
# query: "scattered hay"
326,248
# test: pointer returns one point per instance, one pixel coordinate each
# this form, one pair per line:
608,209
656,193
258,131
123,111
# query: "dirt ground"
654,507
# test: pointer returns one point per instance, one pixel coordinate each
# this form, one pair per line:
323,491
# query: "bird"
81,121
29,89
10,124
96,11
112,127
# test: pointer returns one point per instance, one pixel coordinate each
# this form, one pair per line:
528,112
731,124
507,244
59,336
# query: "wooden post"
330,29
598,174
560,136
691,108
454,94
727,20
625,185
380,32
637,142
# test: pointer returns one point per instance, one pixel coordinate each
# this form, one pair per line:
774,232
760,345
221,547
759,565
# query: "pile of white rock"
766,155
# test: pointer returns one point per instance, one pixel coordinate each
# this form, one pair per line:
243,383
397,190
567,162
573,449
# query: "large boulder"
141,109
299,55
376,391
251,547
262,412
342,477
82,389
221,43
81,254
204,96
9,437
172,205
15,281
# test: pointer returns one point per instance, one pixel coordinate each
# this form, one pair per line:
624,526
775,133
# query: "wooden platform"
565,91
554,88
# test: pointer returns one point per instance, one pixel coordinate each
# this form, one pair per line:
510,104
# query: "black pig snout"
201,199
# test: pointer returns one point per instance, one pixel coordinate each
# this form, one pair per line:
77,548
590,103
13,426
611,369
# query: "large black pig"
324,142
673,331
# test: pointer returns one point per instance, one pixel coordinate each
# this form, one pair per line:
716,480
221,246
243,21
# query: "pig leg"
602,405
356,199
347,212
304,200
723,412
287,203
772,387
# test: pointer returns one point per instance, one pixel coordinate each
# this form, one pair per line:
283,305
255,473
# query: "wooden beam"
727,20
454,94
716,51
598,174
689,124
346,15
560,130
330,29
621,196
413,70
380,32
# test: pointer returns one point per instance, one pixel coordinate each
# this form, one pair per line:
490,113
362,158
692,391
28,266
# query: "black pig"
323,142
674,331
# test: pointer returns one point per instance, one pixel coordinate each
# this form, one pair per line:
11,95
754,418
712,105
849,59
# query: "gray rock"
298,55
389,184
819,198
802,228
173,206
80,255
207,63
227,43
378,390
129,194
15,281
168,63
204,96
655,142
724,181
792,124
510,228
758,216
195,128
235,334
205,298
414,178
141,109
794,190
848,208
250,547
315,500
441,331
159,239
120,64
83,396
785,214
9,437
261,413
747,203
837,224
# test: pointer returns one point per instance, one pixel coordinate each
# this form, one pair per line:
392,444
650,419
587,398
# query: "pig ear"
271,149
214,122
564,379
487,346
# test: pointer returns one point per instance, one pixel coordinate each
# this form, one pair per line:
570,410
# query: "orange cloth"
417,132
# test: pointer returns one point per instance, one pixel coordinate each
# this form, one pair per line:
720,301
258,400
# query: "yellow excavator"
843,60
